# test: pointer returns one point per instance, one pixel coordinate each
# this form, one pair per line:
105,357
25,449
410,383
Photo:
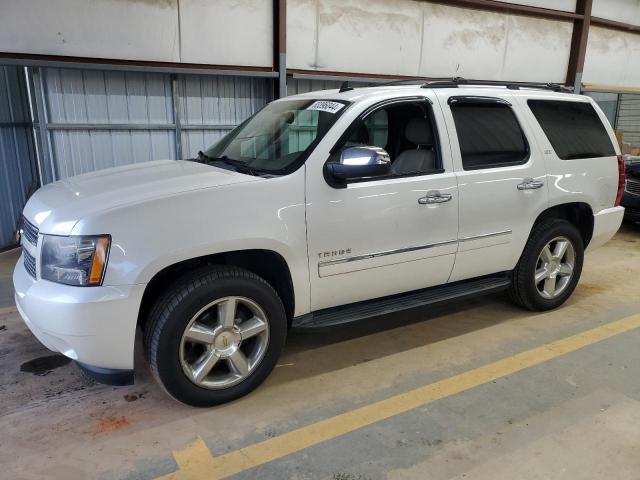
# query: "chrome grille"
29,263
29,231
633,186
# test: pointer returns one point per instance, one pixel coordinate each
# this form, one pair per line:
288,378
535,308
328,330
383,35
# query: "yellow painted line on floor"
196,460
5,310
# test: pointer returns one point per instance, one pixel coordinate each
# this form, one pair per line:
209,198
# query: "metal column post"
579,44
280,46
176,93
45,157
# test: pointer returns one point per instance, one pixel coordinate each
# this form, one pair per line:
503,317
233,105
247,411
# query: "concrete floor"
575,416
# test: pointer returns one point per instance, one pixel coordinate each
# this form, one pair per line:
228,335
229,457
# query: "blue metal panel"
18,173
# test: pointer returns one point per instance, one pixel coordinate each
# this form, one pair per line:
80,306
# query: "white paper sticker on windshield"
326,106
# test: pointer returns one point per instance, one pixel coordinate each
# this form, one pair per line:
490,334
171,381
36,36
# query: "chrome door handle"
530,184
435,197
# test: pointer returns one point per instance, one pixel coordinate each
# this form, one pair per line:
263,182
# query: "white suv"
321,209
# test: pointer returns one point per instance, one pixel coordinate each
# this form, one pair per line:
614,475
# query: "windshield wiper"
202,158
236,165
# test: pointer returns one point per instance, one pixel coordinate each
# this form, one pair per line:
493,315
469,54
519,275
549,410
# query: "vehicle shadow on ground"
319,351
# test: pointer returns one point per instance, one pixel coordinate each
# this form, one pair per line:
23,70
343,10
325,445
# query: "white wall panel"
537,50
121,29
463,42
302,40
229,32
627,11
612,58
373,36
404,37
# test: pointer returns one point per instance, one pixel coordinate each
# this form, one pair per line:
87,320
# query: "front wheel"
550,266
215,335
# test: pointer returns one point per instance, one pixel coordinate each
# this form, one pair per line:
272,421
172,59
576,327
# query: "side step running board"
381,306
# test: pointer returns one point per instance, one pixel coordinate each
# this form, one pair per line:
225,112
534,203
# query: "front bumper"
631,204
605,225
94,325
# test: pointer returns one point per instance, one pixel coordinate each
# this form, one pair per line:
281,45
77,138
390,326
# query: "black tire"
523,290
175,308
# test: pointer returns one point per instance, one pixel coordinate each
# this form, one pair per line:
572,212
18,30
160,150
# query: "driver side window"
406,131
372,131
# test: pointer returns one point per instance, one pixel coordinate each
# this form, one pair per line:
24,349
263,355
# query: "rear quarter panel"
593,181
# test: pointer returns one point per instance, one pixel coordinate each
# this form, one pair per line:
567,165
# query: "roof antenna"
345,87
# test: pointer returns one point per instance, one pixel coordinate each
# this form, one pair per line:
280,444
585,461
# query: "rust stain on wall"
603,40
473,26
373,15
554,34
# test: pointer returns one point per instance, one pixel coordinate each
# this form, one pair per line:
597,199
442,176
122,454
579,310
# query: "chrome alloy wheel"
554,267
224,342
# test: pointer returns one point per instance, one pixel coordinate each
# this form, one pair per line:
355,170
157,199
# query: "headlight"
79,261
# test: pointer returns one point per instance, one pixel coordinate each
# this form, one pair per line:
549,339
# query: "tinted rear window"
573,128
489,135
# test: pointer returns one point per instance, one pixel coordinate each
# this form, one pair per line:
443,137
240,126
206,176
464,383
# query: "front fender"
268,214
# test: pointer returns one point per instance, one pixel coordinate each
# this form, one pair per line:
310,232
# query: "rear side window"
573,128
489,135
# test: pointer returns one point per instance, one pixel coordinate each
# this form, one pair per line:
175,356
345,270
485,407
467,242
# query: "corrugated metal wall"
18,172
99,119
303,85
103,119
629,118
210,106
608,102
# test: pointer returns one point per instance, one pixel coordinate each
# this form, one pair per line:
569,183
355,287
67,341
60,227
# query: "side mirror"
360,162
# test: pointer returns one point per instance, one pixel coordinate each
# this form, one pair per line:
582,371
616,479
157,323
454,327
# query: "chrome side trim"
382,254
486,235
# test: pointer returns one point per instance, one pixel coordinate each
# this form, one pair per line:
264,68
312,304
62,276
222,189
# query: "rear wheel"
550,266
215,335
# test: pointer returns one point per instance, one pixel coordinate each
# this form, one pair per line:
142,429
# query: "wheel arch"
579,214
267,264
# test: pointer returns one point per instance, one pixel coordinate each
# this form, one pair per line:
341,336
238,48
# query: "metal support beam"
511,7
280,46
84,63
177,96
45,157
615,25
579,44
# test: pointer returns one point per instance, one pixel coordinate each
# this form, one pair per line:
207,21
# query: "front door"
384,236
501,180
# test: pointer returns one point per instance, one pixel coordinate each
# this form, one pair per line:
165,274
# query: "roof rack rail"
455,82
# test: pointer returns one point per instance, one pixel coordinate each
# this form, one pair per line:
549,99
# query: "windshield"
277,139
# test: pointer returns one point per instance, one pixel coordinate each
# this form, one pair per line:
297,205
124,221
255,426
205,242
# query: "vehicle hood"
57,207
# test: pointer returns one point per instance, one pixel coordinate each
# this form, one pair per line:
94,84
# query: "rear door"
501,179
